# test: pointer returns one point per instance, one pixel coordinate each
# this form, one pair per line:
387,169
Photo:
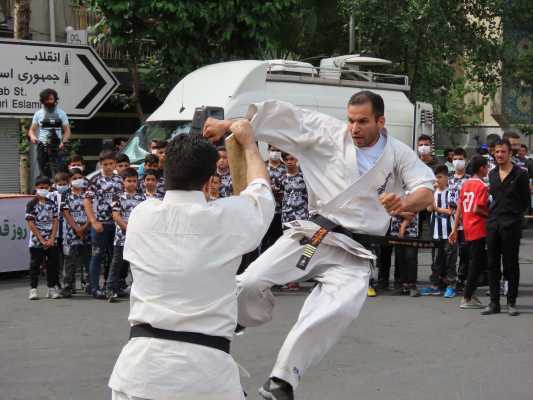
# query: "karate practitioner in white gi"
354,173
184,253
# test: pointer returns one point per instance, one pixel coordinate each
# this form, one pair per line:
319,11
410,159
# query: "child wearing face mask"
76,161
76,241
456,181
59,189
42,220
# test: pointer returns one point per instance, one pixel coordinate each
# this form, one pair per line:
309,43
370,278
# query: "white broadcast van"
235,85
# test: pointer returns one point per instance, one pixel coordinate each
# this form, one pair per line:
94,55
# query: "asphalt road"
400,348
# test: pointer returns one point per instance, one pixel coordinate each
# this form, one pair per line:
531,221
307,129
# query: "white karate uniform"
184,253
337,190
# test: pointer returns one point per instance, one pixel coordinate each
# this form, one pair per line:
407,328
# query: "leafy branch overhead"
185,35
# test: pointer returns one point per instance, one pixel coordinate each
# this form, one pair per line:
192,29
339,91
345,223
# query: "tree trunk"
22,14
136,88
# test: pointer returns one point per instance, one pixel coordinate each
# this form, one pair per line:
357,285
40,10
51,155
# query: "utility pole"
21,30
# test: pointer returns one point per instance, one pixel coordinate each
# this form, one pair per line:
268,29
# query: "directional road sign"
77,73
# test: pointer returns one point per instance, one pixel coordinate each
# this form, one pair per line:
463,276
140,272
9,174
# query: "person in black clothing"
509,190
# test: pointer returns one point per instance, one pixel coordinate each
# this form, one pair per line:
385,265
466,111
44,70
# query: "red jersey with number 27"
474,193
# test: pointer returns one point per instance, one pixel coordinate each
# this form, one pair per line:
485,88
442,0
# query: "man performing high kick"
354,173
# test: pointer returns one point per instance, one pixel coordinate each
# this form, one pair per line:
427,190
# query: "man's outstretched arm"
285,126
416,201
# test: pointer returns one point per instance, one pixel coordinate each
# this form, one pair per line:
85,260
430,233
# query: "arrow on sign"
100,81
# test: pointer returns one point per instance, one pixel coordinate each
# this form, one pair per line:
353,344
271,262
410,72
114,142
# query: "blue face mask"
62,188
42,192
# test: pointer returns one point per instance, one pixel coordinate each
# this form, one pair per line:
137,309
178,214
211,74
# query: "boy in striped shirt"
443,269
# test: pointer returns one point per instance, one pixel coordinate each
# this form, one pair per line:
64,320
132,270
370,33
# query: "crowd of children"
78,225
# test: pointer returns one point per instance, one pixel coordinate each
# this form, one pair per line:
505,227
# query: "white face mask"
459,165
79,183
80,167
42,192
424,150
61,188
275,155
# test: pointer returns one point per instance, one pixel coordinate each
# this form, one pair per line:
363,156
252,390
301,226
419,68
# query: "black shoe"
512,311
98,294
66,292
113,297
276,389
491,309
239,330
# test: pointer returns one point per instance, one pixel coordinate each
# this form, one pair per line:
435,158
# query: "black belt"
366,240
147,330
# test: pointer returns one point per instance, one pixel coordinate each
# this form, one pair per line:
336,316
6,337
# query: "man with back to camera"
180,335
50,131
352,171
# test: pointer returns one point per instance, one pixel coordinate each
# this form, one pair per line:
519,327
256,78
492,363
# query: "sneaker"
449,293
113,297
98,294
66,292
413,292
471,304
512,311
276,389
371,292
53,293
429,291
491,309
34,294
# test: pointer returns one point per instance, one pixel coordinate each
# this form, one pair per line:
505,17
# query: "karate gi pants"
334,303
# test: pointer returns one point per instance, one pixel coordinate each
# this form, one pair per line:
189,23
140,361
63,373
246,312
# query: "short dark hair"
511,134
152,172
441,170
424,137
460,152
129,173
151,159
61,176
448,150
221,148
122,158
523,146
365,97
46,93
161,144
75,171
75,158
189,163
106,154
285,155
477,162
503,142
42,180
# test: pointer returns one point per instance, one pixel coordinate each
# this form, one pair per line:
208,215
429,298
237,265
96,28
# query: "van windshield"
138,145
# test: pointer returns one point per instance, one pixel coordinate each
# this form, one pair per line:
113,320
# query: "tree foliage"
187,34
434,42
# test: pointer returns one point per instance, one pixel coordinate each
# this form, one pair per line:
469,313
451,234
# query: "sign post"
77,73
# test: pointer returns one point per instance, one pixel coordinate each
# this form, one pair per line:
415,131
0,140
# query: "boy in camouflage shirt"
42,220
98,199
123,204
294,205
76,241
